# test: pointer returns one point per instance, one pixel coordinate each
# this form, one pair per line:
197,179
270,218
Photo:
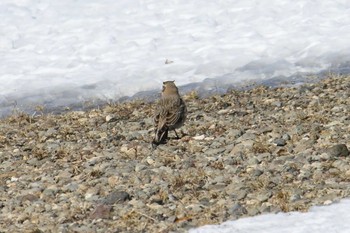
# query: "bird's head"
169,88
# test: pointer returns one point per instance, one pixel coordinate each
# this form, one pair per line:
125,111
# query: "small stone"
240,194
195,207
50,132
140,167
14,179
328,202
264,130
130,151
95,160
252,162
238,210
341,165
103,135
16,151
223,111
234,133
29,197
150,161
37,231
110,118
295,197
280,142
101,212
72,187
253,211
286,137
278,104
91,194
200,137
325,156
116,197
215,151
263,196
338,150
113,180
49,193
257,173
32,161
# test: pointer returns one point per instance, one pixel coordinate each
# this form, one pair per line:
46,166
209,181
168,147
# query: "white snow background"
61,52
320,219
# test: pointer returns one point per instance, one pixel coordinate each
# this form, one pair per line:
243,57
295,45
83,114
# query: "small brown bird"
170,113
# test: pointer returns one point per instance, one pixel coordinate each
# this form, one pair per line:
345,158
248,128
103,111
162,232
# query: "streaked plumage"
170,113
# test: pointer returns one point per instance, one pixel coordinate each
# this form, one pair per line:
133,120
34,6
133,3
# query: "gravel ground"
241,154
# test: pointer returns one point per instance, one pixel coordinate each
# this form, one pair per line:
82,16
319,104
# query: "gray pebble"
280,142
116,197
338,150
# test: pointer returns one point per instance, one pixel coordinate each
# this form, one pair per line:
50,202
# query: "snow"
321,219
61,52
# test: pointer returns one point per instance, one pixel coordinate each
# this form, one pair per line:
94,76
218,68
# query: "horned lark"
170,112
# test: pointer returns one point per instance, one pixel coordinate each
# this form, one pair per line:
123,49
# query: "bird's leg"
177,136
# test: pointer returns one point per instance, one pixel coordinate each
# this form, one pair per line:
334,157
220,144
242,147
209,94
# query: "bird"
170,113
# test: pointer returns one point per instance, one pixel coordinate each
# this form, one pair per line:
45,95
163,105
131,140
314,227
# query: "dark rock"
338,150
280,142
257,173
116,197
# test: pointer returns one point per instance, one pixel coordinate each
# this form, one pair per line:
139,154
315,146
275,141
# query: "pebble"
280,142
101,211
238,210
338,150
199,137
110,118
116,197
